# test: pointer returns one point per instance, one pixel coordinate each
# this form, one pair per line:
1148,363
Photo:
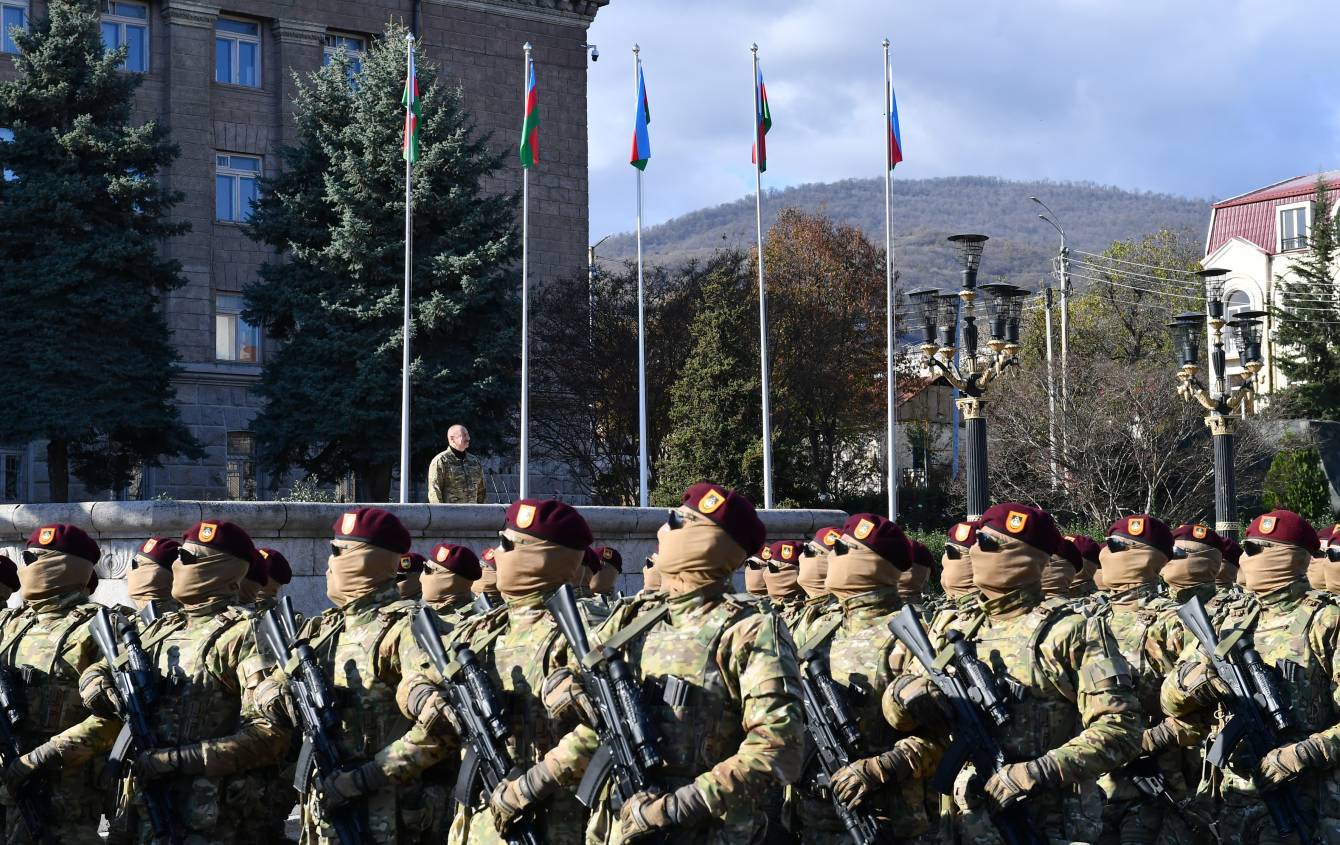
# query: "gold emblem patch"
207,531
1200,532
831,537
788,551
1267,525
710,501
488,553
151,543
765,553
525,515
406,563
46,536
443,554
1016,522
961,533
1135,527
863,529
607,553
349,523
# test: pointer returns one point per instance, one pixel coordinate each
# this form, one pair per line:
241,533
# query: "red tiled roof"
1252,215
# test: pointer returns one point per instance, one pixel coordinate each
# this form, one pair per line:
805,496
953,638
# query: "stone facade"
302,532
478,45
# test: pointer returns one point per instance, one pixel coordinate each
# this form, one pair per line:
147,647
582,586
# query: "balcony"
1290,244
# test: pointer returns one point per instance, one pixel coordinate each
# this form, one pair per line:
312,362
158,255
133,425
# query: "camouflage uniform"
1074,702
455,480
810,613
439,780
48,644
1297,632
791,611
740,666
864,658
365,649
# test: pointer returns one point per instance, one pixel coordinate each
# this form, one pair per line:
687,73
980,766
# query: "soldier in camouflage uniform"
755,575
1083,584
1296,632
651,576
1316,568
455,476
594,610
1061,570
278,575
603,584
365,647
487,585
1075,713
1192,574
519,645
781,573
46,644
149,580
962,598
701,650
912,582
814,559
408,574
258,575
1228,576
863,659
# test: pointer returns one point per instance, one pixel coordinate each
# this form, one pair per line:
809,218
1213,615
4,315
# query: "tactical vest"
1280,636
1043,713
1130,626
194,704
33,648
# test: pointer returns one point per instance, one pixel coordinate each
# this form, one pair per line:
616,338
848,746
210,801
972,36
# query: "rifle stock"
13,710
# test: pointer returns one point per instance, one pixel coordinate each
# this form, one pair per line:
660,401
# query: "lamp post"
950,330
1219,400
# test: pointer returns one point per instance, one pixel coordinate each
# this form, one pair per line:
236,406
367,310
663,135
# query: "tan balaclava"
534,565
1132,567
209,575
1057,576
755,579
1316,573
1010,567
48,573
488,577
651,576
1199,567
814,570
912,581
148,582
1276,565
249,591
696,554
956,573
441,584
860,570
1098,581
357,568
604,581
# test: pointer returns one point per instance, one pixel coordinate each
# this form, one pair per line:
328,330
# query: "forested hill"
926,211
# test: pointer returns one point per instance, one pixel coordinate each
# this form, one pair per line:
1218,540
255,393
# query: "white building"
1258,237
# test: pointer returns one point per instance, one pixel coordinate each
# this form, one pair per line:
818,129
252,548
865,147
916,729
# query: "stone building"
220,76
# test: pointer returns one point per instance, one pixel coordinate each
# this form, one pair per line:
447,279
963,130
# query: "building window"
13,13
7,135
237,52
353,45
127,25
1293,227
1236,302
241,465
11,477
235,186
234,338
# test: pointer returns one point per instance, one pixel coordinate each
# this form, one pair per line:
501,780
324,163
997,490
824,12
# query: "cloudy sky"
1203,98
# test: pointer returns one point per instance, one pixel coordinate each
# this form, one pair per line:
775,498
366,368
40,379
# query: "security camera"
595,51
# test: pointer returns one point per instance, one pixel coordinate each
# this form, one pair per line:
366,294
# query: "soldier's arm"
479,488
425,743
922,747
1081,659
435,479
1324,640
95,734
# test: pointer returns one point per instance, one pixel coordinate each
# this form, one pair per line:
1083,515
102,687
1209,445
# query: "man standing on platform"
455,477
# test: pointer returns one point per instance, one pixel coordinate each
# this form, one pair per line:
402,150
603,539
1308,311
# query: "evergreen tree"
83,215
715,425
336,213
1305,315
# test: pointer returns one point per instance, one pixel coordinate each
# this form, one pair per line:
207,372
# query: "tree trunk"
58,469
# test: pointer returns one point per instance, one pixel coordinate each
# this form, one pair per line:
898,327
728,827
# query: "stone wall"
302,532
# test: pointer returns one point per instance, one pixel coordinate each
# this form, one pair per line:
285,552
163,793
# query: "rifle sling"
453,668
819,636
624,636
1231,639
946,655
316,645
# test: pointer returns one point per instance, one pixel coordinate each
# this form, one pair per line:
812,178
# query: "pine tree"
715,425
334,299
83,215
1305,315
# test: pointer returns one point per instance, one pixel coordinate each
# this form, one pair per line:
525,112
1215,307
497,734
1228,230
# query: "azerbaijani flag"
763,120
413,112
895,135
530,127
641,140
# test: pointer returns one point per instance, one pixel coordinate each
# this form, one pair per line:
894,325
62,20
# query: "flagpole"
641,317
409,252
524,484
762,290
891,338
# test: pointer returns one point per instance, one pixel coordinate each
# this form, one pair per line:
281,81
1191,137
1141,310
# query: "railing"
1288,244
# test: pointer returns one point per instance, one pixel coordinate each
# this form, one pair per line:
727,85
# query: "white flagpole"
641,316
524,485
409,252
890,383
762,289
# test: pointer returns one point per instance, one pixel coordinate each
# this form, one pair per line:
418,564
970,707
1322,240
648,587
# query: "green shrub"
1296,482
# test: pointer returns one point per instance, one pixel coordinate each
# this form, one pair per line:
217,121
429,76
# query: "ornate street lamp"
950,345
1221,402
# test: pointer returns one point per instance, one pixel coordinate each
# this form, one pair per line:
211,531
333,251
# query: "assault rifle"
314,705
837,739
484,603
136,682
13,709
1143,773
150,613
628,750
483,724
1258,713
976,706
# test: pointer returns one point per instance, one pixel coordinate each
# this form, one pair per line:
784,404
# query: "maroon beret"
962,534
1281,526
160,550
9,573
1087,546
591,560
277,566
1232,551
226,537
549,519
1032,525
827,537
1198,533
486,559
881,536
70,539
786,551
458,560
732,511
379,527
609,556
1146,529
1068,550
922,555
1324,534
410,562
258,572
